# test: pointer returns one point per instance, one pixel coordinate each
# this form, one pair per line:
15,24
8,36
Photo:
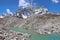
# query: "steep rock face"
41,24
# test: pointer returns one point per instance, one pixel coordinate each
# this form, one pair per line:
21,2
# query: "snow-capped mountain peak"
30,10
1,16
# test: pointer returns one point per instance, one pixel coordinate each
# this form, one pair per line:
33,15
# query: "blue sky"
52,5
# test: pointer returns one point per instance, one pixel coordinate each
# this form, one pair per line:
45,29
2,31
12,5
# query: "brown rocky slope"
41,24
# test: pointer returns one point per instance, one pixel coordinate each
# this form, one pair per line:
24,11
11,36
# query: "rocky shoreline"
6,34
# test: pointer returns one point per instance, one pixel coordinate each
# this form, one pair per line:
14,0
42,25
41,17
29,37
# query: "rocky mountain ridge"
39,20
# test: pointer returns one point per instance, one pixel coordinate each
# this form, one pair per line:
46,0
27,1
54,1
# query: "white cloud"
55,1
23,3
9,12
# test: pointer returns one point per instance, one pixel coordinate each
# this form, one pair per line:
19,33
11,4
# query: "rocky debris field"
42,24
7,34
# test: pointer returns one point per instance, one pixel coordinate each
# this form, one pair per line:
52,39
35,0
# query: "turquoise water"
35,36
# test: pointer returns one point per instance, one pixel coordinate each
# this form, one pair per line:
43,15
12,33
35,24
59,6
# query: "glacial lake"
35,36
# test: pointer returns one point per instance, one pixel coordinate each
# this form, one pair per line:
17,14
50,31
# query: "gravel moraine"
6,34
